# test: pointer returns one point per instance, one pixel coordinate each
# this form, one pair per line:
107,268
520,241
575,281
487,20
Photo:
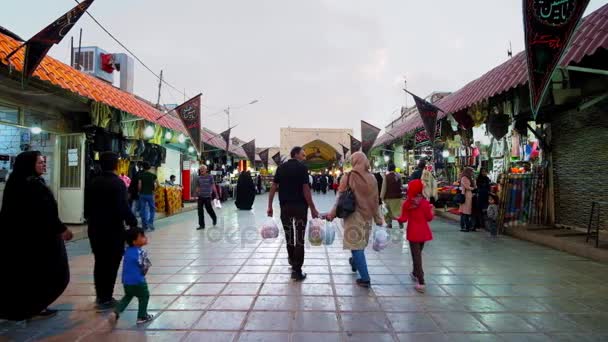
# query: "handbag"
459,198
347,202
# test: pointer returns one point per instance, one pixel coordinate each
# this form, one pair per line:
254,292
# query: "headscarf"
363,184
468,172
23,170
414,194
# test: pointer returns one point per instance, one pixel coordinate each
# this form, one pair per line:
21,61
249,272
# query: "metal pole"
79,49
160,85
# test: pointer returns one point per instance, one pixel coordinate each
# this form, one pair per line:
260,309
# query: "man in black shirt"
107,210
417,174
295,198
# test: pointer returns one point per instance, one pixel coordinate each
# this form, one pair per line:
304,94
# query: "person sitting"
170,181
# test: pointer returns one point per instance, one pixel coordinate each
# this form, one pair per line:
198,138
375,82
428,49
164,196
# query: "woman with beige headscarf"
358,225
467,185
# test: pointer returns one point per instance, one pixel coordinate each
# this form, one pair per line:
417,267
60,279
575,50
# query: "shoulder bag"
347,202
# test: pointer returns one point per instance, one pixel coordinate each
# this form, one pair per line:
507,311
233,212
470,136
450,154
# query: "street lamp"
36,130
227,110
181,138
149,132
168,136
191,149
386,158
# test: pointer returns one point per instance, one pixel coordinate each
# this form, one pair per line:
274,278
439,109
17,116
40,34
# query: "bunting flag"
264,157
428,113
190,114
338,156
355,145
39,45
250,151
548,27
344,150
277,158
369,133
226,136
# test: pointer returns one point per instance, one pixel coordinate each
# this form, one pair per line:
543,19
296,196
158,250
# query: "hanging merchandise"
101,114
498,125
464,119
478,113
521,125
515,148
498,148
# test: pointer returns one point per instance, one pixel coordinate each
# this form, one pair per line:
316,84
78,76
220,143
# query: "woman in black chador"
245,191
33,259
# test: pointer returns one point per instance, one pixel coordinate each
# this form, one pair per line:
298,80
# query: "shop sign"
421,137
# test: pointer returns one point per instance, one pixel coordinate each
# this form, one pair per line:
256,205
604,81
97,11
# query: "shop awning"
64,76
591,35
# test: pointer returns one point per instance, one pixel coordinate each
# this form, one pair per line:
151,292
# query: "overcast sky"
310,63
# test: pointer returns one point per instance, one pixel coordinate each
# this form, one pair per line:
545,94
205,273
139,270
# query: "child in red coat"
417,212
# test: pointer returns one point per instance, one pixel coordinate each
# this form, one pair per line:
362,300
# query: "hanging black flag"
39,45
338,156
428,113
277,158
344,150
548,27
250,151
226,136
264,157
355,145
190,113
369,133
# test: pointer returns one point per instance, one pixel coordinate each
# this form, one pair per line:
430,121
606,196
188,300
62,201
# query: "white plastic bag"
381,239
384,209
329,233
217,204
315,236
270,229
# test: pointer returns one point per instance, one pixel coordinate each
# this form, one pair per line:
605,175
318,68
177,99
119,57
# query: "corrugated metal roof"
591,35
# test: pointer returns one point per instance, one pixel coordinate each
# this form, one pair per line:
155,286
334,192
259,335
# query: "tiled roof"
591,35
70,79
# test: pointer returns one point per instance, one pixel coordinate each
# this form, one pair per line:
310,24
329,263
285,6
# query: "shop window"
47,121
9,114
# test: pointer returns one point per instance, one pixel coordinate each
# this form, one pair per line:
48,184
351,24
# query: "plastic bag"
384,209
315,236
329,233
217,204
270,229
381,239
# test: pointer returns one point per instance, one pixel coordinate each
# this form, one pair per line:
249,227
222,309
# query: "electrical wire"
131,52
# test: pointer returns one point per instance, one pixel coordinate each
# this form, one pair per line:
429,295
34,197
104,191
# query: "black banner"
344,150
355,145
190,114
226,136
548,28
369,133
428,113
264,157
338,156
40,44
250,151
277,158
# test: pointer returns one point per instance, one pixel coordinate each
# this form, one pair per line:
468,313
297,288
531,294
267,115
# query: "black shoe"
463,230
105,306
44,314
298,276
215,223
200,228
364,283
352,264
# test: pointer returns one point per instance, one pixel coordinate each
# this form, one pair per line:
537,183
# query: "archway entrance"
319,155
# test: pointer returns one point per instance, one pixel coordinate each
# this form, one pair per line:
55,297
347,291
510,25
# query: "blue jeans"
147,218
360,263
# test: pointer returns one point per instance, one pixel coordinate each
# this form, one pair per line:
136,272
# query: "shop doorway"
70,197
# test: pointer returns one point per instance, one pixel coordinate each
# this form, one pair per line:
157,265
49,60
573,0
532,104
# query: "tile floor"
226,284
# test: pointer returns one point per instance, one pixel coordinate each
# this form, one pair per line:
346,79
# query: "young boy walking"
492,215
134,268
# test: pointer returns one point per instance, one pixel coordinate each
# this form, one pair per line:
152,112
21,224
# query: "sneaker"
105,306
44,314
113,318
298,276
146,319
352,264
364,283
420,288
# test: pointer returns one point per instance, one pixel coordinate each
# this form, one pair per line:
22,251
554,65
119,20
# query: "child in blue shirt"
134,268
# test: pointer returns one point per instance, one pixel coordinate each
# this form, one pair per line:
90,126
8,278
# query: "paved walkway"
226,284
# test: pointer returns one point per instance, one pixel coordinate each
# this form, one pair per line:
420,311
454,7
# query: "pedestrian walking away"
483,183
107,211
33,259
492,215
467,185
417,174
245,191
358,225
148,183
205,188
417,212
295,198
391,196
134,268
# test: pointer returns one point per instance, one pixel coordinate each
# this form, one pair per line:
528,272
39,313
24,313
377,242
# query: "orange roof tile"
70,79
